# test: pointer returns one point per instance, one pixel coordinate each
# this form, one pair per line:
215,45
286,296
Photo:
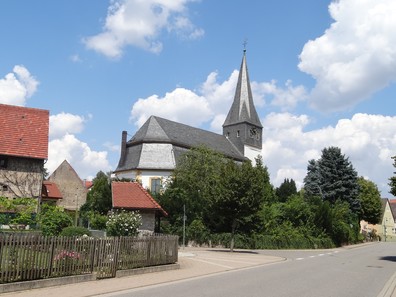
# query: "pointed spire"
243,109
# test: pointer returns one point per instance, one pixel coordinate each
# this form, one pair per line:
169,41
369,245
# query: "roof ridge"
71,167
150,197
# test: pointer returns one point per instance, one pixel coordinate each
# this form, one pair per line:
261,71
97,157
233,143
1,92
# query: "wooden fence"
29,257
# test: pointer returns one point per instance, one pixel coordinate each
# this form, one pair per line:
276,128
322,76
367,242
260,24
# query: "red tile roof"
24,131
88,184
50,191
131,195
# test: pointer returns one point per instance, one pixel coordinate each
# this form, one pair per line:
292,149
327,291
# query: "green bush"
53,220
75,231
197,232
97,221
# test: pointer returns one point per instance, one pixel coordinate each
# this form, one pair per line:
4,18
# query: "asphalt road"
361,271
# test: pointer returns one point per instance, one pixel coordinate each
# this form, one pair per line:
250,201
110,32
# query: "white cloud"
64,145
355,57
16,87
209,104
368,141
65,123
82,158
139,23
180,105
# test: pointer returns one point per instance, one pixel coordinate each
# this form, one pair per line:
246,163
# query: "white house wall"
144,176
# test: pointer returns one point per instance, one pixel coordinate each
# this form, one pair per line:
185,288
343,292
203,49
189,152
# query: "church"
153,152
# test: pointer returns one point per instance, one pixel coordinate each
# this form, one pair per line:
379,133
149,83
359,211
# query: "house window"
238,134
4,188
155,185
3,162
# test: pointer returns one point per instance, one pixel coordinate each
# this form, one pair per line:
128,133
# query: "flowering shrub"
67,255
123,223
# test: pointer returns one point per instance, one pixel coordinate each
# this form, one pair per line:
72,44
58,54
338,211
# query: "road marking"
215,264
298,259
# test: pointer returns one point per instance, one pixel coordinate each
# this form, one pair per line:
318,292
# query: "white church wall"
252,153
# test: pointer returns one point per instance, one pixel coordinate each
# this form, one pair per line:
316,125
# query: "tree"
220,193
195,180
333,178
392,180
286,189
99,197
312,181
370,200
241,196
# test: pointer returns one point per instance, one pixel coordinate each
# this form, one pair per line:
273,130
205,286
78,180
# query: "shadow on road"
388,258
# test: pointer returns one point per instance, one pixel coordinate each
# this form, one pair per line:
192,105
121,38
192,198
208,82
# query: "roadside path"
194,262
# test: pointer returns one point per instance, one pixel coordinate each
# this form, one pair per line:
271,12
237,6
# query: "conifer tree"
286,189
333,178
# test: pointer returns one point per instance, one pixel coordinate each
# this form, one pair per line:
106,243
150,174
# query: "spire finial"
245,41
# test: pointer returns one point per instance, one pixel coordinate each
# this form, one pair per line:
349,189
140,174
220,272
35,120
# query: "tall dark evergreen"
286,189
312,181
333,178
392,180
99,197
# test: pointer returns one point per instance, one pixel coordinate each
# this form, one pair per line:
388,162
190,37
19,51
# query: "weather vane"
244,44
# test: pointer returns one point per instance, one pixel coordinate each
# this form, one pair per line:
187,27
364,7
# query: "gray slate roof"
156,132
243,109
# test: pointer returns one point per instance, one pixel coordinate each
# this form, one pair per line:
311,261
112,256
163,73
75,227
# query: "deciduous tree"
370,200
392,180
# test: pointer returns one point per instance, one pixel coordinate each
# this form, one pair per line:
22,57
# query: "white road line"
211,263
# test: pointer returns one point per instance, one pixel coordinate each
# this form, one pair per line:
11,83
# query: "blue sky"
323,74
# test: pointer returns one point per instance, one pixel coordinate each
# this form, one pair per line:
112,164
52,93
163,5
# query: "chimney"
123,148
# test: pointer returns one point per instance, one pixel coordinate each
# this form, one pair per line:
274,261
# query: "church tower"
242,125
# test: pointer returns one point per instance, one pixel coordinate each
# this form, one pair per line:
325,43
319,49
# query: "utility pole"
184,225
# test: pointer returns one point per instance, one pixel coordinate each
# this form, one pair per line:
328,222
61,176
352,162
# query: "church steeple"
242,125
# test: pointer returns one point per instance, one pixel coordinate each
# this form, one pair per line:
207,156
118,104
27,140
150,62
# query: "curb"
67,280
